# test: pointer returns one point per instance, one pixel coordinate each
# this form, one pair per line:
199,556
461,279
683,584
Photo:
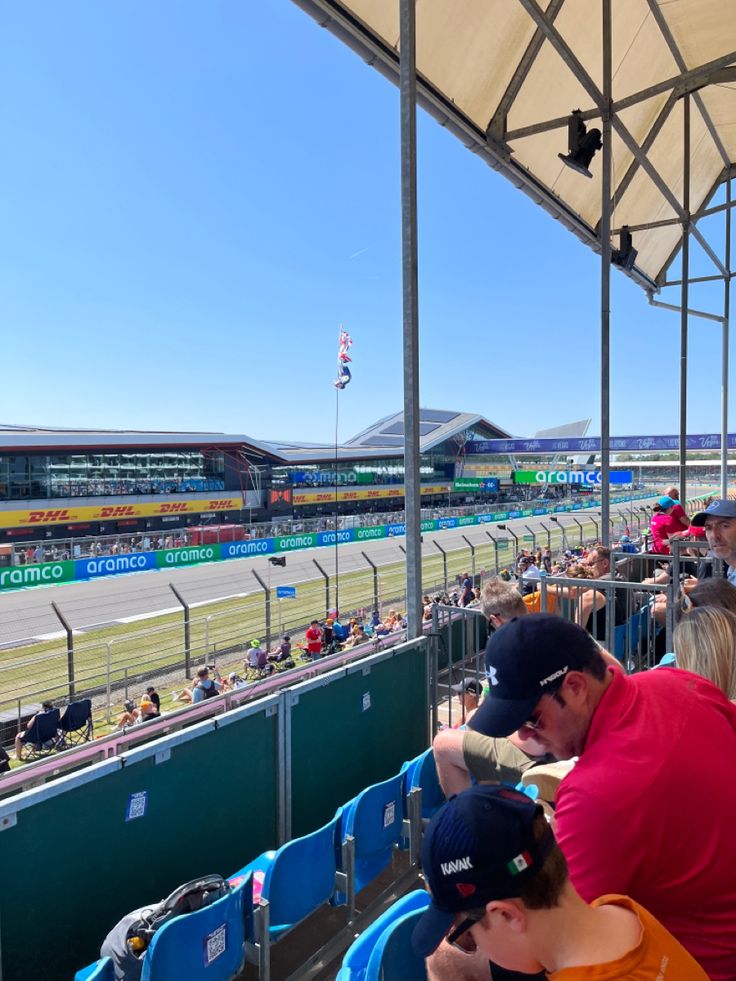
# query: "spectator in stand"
327,634
547,561
662,526
636,736
719,521
339,630
681,522
501,890
467,596
705,643
313,638
257,657
705,592
468,694
626,545
590,612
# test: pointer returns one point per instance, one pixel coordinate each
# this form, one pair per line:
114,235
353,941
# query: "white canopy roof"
505,75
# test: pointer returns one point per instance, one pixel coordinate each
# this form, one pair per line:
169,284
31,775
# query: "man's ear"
511,912
577,684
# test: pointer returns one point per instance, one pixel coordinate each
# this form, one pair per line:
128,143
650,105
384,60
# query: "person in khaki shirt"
501,892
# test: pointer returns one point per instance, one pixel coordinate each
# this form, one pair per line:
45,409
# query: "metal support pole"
549,535
685,293
534,537
495,548
410,290
605,238
327,588
472,554
444,560
267,594
187,631
69,650
581,530
516,540
375,580
725,354
597,528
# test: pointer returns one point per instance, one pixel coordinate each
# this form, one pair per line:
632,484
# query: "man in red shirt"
314,640
647,810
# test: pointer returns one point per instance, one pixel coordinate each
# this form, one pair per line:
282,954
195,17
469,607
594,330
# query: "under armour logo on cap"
492,675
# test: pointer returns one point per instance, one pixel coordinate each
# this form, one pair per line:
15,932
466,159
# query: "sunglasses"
535,721
454,936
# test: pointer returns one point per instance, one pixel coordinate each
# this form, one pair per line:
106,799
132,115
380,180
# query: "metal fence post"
580,528
596,526
327,588
108,679
534,538
375,580
267,594
495,548
69,650
187,631
549,535
444,560
472,554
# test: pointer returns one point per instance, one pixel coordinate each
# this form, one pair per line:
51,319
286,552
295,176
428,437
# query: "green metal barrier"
79,853
352,728
75,859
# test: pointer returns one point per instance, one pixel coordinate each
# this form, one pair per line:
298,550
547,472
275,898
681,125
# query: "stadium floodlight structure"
582,144
625,255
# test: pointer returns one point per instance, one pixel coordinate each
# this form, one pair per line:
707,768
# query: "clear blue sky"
195,196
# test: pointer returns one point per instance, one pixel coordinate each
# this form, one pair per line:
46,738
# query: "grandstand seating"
102,970
421,773
298,878
393,957
371,826
355,962
208,945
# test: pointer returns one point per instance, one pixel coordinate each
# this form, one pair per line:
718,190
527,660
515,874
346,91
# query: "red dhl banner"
113,512
397,490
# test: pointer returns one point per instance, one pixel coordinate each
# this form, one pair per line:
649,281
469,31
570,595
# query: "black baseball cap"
526,658
478,847
718,509
467,685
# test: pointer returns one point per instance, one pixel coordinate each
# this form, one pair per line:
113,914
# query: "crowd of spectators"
625,869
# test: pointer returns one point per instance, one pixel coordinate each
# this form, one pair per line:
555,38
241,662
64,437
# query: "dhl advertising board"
77,570
374,493
114,512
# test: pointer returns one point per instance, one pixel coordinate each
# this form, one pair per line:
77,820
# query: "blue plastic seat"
423,775
374,820
208,945
102,970
393,957
355,961
298,877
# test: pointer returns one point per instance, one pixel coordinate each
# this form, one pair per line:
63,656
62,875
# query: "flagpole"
337,555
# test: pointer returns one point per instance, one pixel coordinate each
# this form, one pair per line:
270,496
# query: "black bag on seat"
126,944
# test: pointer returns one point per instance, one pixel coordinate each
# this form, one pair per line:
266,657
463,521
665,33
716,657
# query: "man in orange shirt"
500,890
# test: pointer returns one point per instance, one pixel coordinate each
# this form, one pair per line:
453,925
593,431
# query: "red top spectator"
314,638
662,525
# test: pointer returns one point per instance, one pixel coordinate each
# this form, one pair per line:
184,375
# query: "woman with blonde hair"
705,643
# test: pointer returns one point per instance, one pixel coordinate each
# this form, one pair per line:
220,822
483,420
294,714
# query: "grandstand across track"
27,614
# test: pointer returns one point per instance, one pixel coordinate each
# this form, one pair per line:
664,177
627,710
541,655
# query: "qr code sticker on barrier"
366,701
389,813
137,805
215,944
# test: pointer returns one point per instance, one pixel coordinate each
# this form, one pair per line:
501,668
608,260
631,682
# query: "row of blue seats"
330,865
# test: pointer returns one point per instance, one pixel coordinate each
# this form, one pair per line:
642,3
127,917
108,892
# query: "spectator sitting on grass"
257,657
206,687
283,651
22,737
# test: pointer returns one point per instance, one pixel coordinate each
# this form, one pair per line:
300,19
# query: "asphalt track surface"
28,614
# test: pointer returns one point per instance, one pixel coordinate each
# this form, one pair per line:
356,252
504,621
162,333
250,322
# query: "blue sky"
196,195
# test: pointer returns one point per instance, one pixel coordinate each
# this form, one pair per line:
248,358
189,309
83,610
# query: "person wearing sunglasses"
501,893
648,785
